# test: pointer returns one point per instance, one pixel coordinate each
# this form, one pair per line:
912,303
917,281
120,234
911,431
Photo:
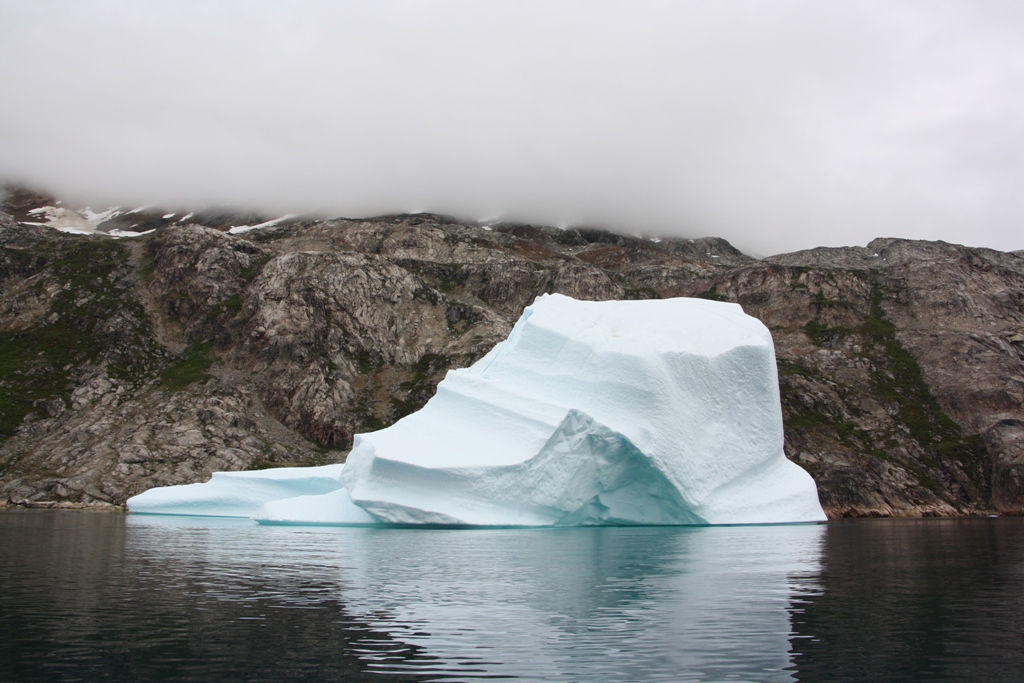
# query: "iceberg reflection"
605,603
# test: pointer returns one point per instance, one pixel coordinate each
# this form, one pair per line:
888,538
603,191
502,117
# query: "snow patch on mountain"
84,222
238,229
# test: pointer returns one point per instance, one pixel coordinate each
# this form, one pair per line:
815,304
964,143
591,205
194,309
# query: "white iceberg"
334,508
610,412
590,413
237,494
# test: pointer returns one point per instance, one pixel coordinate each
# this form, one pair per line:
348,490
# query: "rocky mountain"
184,349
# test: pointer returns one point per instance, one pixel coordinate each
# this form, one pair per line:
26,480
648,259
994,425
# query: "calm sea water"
104,597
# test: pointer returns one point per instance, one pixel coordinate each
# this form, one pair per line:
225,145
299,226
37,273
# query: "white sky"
777,125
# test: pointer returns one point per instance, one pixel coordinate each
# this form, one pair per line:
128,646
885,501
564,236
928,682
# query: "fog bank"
777,126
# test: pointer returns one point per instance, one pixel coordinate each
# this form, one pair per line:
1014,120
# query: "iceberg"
590,413
334,508
237,494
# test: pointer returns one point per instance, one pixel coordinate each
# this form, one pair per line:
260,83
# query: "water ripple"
97,597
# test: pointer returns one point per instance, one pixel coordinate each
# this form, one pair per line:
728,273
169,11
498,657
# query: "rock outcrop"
126,364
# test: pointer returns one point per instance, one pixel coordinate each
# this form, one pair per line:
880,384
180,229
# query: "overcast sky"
777,125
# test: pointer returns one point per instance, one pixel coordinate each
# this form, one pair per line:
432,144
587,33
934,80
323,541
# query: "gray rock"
192,350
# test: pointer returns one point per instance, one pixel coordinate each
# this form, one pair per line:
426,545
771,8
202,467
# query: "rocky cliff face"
126,364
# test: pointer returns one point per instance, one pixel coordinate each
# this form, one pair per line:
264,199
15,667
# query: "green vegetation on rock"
91,279
190,367
901,381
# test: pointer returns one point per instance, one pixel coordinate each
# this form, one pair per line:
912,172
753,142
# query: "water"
98,597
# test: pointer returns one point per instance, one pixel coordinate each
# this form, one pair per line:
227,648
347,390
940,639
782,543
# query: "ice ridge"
237,494
585,474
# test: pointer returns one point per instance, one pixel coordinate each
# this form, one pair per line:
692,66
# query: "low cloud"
778,126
